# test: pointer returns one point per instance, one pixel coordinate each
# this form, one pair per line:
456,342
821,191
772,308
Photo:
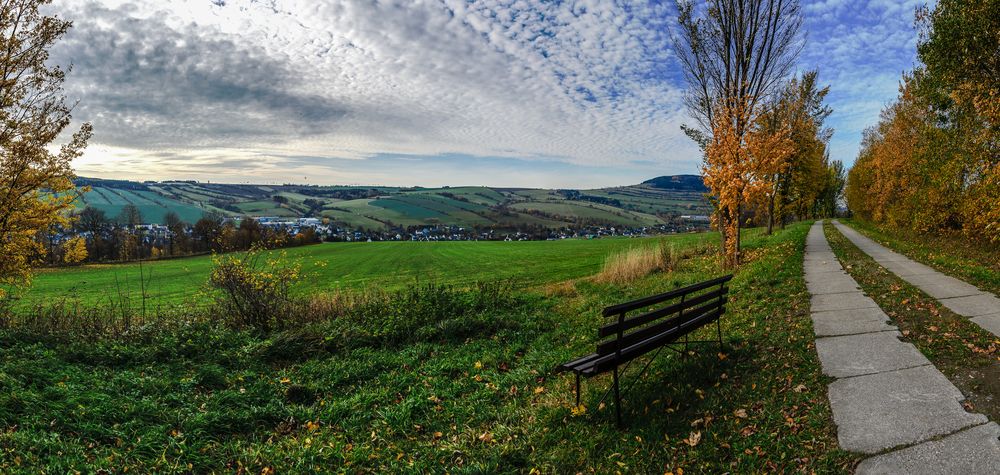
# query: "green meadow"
426,379
335,266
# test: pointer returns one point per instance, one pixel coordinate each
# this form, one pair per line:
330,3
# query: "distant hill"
381,208
678,183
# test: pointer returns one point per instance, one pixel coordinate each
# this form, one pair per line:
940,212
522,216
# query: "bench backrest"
662,315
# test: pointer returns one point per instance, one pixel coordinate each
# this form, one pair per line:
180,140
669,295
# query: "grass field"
348,265
436,380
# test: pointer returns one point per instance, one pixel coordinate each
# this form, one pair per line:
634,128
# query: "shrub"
254,289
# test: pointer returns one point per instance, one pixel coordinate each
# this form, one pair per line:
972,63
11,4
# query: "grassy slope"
205,400
975,262
588,210
462,206
349,265
153,206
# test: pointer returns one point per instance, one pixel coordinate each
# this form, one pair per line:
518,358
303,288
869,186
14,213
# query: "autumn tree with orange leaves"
740,168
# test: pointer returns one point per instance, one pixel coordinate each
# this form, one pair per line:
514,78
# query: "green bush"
253,289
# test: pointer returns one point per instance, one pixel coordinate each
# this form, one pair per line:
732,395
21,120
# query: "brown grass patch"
561,289
638,262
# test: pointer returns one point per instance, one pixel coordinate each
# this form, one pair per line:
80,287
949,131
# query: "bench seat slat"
629,323
653,329
577,363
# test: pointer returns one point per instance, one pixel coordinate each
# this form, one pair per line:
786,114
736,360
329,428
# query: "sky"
525,93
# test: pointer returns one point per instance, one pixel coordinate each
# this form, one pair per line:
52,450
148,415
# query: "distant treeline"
106,240
120,184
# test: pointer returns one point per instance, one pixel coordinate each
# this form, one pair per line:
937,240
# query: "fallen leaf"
693,439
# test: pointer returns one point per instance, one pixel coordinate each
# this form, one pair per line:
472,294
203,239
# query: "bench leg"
577,389
618,400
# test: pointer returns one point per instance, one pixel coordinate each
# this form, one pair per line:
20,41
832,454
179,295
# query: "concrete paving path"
983,308
888,399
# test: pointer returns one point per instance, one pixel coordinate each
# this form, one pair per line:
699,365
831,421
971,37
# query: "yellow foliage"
933,161
74,250
36,186
914,173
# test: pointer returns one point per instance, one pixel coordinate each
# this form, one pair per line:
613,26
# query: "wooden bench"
663,321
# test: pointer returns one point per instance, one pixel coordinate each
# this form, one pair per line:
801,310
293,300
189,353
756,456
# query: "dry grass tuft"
638,262
561,289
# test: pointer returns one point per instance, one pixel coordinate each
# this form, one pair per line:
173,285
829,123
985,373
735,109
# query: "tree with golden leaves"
735,55
960,46
75,250
36,187
740,168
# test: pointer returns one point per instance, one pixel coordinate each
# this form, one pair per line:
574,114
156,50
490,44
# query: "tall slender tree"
735,54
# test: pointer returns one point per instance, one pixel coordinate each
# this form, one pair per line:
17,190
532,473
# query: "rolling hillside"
381,208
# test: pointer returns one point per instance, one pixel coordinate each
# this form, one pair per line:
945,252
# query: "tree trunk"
770,215
722,229
739,227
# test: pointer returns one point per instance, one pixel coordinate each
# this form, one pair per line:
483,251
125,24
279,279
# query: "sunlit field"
332,266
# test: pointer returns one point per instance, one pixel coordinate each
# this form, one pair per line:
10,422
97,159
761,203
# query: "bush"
254,289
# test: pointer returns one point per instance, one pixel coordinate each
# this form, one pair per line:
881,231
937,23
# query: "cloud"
861,50
239,86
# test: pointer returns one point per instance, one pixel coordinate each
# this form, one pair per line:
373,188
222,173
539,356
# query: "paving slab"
826,274
838,322
812,267
973,305
972,451
833,284
959,296
990,323
888,395
941,286
867,353
880,411
844,301
906,268
887,256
